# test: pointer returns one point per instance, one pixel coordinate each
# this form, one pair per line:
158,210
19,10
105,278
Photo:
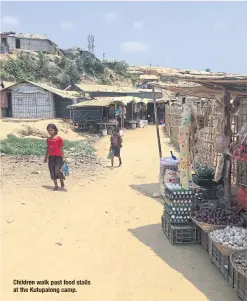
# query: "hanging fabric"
184,143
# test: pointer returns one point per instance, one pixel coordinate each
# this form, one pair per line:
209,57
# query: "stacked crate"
176,222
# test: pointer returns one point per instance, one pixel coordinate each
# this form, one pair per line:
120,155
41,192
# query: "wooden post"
157,124
227,160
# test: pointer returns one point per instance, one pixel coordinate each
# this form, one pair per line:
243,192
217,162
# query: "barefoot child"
116,144
54,154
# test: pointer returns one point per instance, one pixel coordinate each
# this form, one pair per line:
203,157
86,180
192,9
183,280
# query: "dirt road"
105,230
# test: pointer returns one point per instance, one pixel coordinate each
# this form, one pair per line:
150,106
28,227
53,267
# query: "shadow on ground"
148,190
191,261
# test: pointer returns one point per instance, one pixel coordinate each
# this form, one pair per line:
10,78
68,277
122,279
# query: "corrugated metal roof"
99,102
64,94
106,88
106,101
28,36
7,84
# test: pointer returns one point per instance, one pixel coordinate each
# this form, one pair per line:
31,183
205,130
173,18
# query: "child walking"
116,145
55,156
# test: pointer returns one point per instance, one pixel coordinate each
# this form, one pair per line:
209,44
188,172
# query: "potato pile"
217,216
233,237
240,260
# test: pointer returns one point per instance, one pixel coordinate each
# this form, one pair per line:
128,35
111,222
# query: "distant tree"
208,70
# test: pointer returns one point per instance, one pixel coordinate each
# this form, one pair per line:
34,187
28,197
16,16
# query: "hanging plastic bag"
65,169
109,156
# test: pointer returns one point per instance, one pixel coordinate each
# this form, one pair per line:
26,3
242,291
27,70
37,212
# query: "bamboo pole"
157,124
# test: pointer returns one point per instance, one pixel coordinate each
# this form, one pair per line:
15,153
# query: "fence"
173,118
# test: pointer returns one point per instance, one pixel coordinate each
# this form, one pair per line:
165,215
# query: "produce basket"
224,249
209,227
240,279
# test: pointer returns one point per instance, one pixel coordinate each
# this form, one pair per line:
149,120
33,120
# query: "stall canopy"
106,101
206,86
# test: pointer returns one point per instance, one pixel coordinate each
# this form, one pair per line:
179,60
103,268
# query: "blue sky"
192,35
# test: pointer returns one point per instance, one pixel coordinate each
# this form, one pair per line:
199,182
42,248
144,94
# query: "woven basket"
234,265
209,227
224,250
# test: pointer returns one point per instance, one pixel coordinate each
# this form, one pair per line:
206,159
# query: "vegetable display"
217,216
233,237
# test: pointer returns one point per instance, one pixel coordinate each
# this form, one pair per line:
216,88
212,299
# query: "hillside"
61,71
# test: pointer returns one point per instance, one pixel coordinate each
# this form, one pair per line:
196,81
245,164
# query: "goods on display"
178,212
217,216
178,204
171,176
167,163
175,192
233,237
204,177
239,260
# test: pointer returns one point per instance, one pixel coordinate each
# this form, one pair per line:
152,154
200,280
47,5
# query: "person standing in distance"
115,147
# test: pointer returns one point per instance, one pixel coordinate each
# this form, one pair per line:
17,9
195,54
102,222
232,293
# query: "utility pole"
91,46
103,57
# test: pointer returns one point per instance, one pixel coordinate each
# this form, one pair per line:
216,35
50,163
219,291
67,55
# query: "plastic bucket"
167,163
104,132
133,126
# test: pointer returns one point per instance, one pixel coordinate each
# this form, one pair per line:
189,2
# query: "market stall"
101,114
199,201
108,112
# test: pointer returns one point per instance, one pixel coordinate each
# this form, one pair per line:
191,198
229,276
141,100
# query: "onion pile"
217,216
240,260
233,237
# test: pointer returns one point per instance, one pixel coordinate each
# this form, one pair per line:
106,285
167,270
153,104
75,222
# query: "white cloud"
133,47
111,16
138,24
10,20
219,26
67,25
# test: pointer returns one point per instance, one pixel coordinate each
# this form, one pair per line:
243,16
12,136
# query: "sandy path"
110,234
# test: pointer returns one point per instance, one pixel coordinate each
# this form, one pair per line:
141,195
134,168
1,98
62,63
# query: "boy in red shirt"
115,147
55,156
